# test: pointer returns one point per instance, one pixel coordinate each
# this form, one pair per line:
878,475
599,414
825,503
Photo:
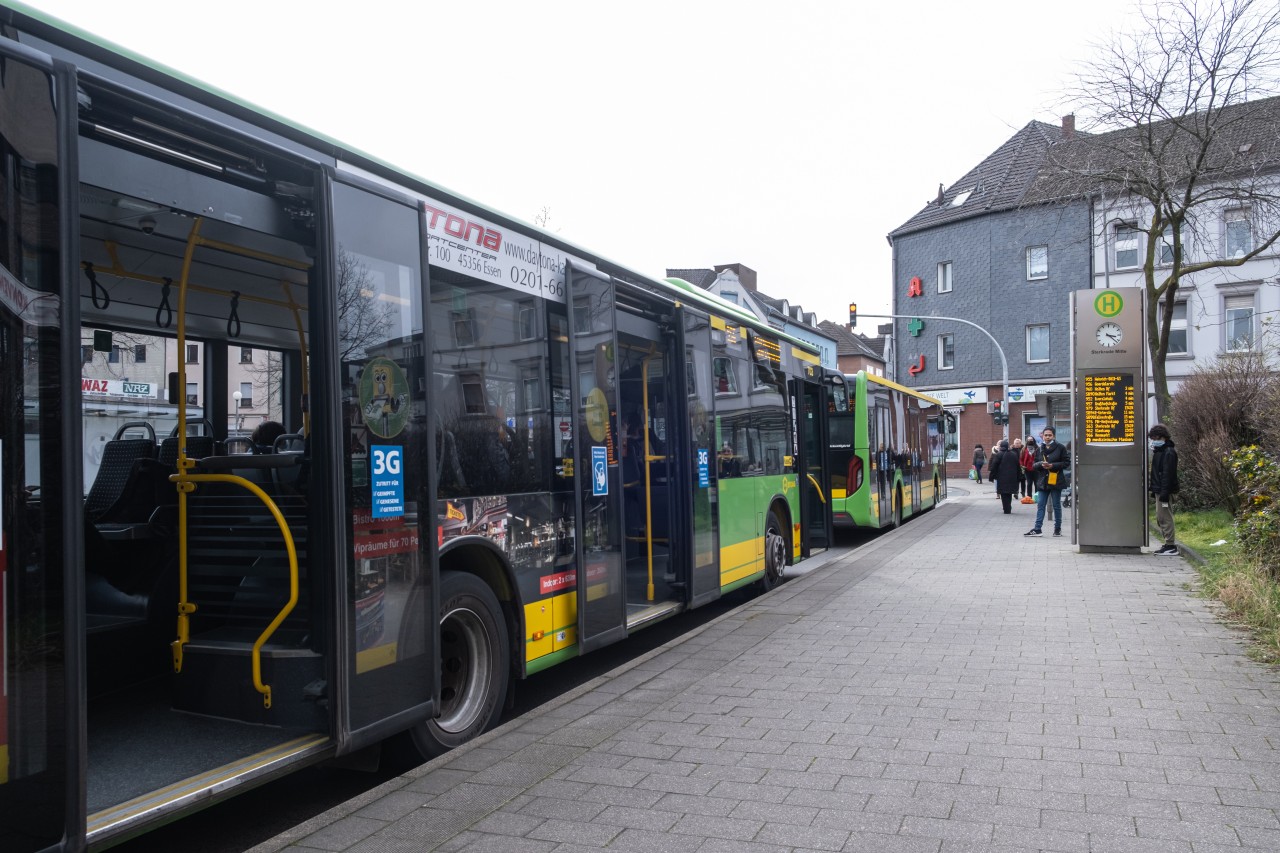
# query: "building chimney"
1069,126
746,275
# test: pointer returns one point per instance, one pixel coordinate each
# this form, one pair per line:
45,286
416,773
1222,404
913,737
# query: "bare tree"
1183,125
363,320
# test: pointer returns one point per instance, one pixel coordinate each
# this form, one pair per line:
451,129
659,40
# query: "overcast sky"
788,137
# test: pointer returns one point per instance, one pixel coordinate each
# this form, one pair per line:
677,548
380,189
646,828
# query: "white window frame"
1048,347
1236,216
1164,251
1241,301
946,277
945,341
1129,232
1178,325
1032,275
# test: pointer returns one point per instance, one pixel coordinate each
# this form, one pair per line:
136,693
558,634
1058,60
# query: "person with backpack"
1162,482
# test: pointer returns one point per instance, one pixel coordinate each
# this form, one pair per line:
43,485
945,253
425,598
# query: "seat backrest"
118,456
198,447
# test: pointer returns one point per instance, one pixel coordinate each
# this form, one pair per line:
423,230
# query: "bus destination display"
1109,409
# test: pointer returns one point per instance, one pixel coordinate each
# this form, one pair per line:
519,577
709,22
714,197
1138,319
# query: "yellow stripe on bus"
376,657
740,560
804,356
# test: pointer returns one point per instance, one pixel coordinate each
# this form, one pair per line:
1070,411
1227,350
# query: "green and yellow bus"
885,453
350,455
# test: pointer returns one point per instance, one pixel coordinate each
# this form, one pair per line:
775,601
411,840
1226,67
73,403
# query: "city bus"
885,451
350,455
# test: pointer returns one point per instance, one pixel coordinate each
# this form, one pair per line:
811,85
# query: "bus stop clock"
1110,334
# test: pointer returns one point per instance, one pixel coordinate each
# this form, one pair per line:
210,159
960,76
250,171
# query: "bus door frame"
63,312
658,324
812,430
694,460
601,605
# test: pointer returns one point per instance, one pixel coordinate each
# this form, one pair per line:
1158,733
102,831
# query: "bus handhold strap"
235,316
163,307
96,287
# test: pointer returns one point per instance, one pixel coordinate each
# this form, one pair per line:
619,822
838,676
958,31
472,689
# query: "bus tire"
775,552
473,665
897,508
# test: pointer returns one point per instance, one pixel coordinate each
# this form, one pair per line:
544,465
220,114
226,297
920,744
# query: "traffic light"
853,314
998,415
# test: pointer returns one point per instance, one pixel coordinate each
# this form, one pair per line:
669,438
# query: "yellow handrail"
816,487
186,483
648,482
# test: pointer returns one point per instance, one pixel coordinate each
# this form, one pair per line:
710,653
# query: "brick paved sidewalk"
953,686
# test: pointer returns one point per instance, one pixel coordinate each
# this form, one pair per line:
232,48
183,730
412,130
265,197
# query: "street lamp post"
1004,364
237,397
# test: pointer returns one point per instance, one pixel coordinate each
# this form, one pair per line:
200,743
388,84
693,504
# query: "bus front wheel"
473,665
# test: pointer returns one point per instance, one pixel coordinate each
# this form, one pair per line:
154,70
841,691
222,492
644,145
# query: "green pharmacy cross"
915,326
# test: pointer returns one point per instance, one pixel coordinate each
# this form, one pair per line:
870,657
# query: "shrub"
1226,404
1258,516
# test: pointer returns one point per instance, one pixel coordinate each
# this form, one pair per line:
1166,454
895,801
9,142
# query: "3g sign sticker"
386,483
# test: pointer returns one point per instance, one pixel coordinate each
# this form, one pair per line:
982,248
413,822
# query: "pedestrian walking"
1162,482
1020,450
991,461
1028,467
1051,462
1005,473
979,462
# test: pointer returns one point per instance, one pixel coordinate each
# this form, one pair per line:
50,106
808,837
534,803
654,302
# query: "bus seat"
118,457
198,447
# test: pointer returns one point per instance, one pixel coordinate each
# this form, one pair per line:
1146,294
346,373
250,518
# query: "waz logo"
463,229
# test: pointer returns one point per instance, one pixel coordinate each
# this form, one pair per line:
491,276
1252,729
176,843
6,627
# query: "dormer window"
962,197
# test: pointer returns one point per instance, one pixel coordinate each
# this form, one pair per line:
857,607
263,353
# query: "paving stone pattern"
953,686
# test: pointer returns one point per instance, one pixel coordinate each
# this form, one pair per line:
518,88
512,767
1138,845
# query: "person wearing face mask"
1162,482
1051,461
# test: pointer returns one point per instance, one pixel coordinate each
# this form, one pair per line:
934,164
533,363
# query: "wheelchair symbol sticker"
599,471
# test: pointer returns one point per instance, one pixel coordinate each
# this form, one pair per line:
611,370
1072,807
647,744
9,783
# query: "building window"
729,296
1178,329
246,395
1239,323
113,357
246,355
193,394
944,277
1126,245
1166,247
193,353
528,324
1239,233
1038,343
946,352
86,353
140,354
1037,262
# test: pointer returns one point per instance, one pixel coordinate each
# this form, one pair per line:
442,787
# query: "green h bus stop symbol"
1108,303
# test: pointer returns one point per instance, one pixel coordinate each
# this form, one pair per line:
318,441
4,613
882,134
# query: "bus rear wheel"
473,665
775,552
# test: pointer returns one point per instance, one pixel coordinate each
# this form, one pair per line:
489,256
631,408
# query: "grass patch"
1234,578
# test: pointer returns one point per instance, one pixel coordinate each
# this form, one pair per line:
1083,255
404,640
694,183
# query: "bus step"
217,681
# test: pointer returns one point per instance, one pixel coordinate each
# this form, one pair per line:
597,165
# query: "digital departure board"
1109,409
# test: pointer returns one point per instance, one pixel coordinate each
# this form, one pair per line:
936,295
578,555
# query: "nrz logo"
462,229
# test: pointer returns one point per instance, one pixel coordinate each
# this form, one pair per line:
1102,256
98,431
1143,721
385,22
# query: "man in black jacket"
1162,482
1051,463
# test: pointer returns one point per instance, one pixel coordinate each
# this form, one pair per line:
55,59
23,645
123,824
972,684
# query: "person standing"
1020,451
991,468
1162,482
1006,473
979,462
1051,461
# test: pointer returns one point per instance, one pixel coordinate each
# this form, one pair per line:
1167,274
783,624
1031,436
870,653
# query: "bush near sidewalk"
1235,575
